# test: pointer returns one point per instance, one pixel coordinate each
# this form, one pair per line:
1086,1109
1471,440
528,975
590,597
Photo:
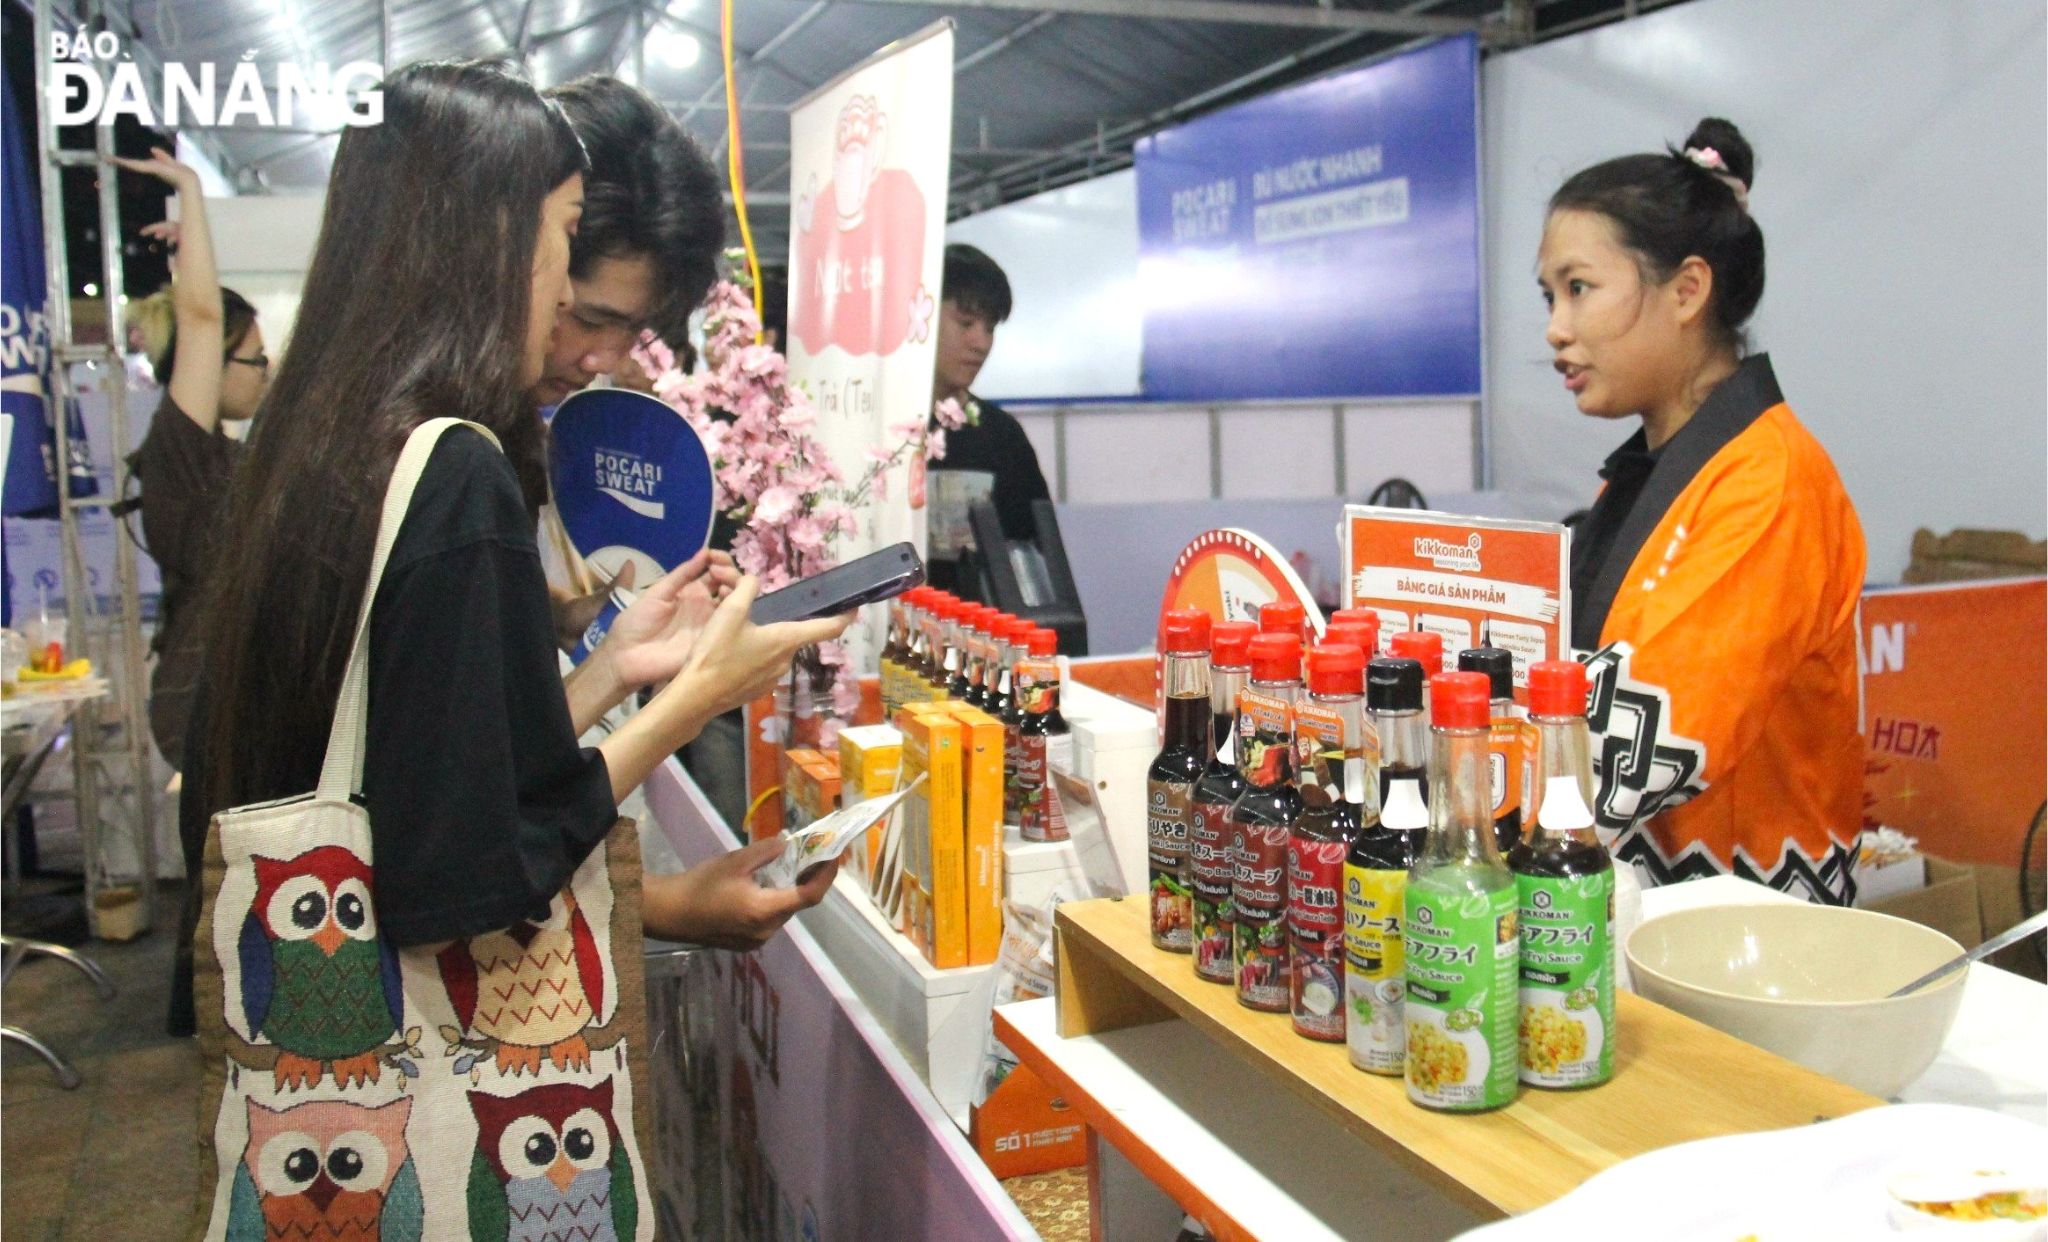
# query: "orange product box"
1024,1128
983,817
870,759
935,838
823,784
798,794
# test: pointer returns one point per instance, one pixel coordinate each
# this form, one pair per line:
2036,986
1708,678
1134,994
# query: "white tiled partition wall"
1121,453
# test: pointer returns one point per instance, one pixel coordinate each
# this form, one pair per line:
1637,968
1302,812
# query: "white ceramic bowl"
1808,983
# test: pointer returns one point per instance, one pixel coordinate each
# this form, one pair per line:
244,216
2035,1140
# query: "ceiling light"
678,49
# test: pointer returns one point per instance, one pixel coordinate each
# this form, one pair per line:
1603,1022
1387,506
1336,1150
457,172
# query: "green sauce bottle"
1565,882
1459,936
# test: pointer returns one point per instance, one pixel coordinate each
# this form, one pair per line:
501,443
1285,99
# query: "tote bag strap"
341,775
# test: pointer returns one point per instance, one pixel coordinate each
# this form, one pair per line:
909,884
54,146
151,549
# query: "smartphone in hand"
877,576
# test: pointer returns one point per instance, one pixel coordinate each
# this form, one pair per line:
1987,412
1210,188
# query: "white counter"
1993,1056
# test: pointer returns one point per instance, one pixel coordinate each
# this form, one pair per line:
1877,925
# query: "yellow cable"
735,163
747,820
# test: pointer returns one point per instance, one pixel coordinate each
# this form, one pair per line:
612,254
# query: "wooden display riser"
1675,1079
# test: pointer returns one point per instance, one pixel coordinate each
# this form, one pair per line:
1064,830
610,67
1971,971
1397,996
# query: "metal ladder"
112,778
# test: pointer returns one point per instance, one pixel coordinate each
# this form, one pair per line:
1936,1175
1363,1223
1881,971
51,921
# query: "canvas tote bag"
481,1089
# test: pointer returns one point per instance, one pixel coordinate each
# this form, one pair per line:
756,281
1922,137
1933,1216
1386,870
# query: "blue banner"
632,481
25,337
1321,241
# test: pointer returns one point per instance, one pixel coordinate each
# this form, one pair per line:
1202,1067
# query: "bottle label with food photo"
1260,896
1166,839
1374,975
1315,930
1462,950
1567,979
1209,884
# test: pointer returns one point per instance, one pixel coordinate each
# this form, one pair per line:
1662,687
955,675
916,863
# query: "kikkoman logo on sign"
95,80
1457,557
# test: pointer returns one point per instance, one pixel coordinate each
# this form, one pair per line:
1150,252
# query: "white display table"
822,1128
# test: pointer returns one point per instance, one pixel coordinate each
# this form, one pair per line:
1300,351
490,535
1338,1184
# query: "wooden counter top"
1675,1079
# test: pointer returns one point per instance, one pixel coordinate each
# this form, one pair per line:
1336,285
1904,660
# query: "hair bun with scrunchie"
1717,147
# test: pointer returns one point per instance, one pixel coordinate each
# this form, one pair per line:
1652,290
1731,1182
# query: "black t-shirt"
997,445
481,802
1626,470
184,471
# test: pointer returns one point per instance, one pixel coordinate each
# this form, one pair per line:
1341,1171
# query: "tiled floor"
114,1158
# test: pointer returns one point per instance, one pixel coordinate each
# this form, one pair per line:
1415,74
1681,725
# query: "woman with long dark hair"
441,265
1717,576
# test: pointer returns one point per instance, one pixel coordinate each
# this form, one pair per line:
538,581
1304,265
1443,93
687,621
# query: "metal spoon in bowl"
2012,935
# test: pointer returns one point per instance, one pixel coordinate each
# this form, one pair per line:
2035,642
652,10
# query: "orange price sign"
1469,579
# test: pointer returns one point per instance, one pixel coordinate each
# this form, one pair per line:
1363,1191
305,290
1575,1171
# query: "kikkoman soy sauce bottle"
938,646
1505,741
1262,821
1285,616
1329,730
1210,860
1358,616
1018,650
893,653
1376,868
1044,741
1565,883
1170,783
1459,936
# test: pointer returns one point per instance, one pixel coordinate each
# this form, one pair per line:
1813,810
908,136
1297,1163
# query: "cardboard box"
982,745
870,760
1024,1128
935,841
1947,903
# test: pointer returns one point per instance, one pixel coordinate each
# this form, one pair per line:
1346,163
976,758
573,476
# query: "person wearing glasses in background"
206,349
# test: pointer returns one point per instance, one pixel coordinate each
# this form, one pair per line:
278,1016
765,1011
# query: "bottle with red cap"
965,682
1360,627
992,637
894,651
1419,645
1356,616
1017,649
1376,868
1045,743
1210,863
1459,935
1284,616
932,669
1506,742
1262,822
1565,886
1170,783
1329,740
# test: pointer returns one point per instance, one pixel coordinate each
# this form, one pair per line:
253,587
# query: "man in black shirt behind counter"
975,297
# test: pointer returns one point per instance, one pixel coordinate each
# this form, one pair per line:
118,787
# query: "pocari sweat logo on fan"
96,79
631,480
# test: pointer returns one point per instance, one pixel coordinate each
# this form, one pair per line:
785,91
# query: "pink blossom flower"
775,505
949,414
935,444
